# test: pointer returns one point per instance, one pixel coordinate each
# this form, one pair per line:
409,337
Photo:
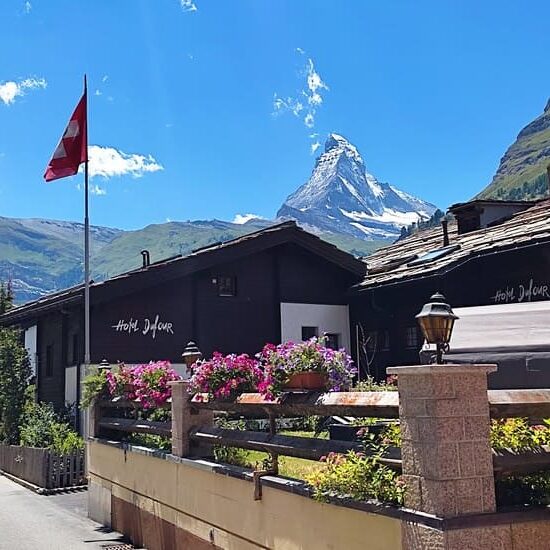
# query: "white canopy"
502,327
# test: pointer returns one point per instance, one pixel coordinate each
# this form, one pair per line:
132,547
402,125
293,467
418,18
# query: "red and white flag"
72,149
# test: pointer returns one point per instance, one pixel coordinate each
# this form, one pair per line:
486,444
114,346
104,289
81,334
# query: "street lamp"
191,354
436,321
104,365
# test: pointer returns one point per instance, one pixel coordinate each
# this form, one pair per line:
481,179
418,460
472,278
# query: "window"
384,340
49,360
332,340
226,286
413,338
309,332
75,349
434,255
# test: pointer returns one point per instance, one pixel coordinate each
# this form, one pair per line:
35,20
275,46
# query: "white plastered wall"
328,318
30,346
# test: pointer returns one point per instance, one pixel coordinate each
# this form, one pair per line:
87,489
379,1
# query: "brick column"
446,452
185,418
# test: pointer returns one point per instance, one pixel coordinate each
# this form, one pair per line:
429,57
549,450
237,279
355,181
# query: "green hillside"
42,256
522,170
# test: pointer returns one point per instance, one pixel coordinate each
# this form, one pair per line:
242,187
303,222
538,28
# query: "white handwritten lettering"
525,293
146,327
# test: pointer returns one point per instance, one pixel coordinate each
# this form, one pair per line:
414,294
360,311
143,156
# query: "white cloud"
188,5
241,219
314,147
97,92
307,101
11,89
108,162
27,7
96,190
105,78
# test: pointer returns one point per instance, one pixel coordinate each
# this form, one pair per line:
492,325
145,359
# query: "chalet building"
277,284
493,266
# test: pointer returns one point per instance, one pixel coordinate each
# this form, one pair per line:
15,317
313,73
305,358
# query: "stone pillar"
185,418
446,451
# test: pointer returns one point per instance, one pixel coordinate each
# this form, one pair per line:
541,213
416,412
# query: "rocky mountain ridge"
341,196
522,172
341,202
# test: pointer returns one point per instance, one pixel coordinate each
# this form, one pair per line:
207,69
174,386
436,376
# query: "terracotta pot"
312,381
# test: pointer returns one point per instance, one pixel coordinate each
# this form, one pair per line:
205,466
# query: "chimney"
146,258
444,225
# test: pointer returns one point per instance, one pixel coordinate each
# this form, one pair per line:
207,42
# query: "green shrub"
43,428
370,384
356,476
94,385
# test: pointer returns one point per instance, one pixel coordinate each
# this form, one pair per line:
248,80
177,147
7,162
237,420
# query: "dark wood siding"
475,283
171,302
51,388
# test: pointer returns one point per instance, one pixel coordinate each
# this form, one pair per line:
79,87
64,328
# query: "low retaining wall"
164,502
170,502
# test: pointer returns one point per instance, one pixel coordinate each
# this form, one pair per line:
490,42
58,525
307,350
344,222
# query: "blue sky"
430,92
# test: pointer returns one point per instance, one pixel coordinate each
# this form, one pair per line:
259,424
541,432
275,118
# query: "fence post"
94,417
446,450
185,418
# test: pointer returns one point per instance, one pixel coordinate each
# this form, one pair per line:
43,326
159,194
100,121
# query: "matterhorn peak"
342,197
338,144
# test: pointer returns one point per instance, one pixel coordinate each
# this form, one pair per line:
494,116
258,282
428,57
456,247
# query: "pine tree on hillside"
6,297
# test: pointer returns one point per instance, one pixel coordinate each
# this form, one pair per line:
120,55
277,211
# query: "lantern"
436,321
191,354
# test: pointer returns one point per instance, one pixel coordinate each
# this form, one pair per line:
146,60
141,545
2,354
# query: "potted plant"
226,376
151,383
306,366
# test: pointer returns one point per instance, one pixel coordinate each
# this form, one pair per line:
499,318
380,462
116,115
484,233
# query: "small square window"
226,286
309,332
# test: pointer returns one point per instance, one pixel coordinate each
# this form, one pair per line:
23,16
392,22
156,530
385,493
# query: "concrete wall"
164,503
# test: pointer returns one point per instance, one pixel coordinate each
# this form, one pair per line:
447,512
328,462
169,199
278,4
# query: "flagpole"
86,247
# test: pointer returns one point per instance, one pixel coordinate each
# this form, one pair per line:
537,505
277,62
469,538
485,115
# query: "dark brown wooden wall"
50,332
393,307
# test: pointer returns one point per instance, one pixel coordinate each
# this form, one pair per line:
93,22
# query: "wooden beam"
519,403
137,426
507,462
309,448
384,404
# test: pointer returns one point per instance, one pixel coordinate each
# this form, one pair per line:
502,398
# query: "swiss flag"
72,149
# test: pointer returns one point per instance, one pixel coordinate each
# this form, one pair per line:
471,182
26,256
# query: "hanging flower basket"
310,381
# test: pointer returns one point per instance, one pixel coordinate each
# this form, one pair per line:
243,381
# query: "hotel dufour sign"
528,292
144,327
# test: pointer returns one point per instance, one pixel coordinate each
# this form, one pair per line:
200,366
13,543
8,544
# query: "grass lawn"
289,466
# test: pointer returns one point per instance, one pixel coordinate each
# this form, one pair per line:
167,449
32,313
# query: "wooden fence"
43,468
109,423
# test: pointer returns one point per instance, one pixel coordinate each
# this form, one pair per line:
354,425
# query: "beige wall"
222,509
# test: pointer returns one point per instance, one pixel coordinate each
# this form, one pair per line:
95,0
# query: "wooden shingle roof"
396,263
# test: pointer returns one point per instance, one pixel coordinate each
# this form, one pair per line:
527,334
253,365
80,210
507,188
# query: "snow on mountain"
341,196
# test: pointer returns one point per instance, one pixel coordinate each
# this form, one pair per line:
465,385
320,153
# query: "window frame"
233,286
